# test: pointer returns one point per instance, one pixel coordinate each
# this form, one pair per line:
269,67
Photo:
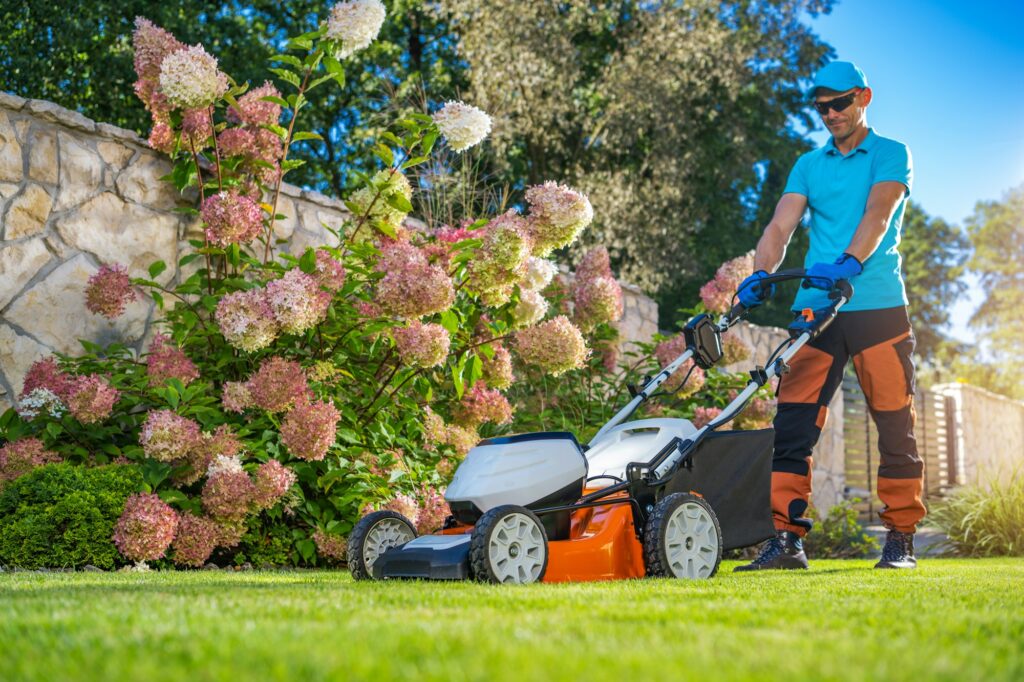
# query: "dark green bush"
61,516
839,535
985,520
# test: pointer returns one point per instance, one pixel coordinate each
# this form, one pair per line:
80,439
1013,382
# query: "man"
856,188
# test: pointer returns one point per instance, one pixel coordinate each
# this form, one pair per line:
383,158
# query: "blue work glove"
825,275
750,294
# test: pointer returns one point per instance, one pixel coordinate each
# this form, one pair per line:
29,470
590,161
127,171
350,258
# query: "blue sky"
948,80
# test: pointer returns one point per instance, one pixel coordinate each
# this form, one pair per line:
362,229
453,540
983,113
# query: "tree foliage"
997,234
678,118
934,253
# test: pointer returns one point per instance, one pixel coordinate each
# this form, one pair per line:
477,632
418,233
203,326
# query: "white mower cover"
499,472
638,441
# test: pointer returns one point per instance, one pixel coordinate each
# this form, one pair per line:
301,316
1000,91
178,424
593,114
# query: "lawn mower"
650,497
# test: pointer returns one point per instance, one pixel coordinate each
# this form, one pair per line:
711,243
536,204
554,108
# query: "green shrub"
61,515
839,535
985,520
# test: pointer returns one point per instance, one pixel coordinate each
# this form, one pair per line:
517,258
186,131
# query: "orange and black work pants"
880,342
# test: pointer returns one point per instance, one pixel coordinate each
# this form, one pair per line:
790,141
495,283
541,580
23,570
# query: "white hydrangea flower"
222,464
189,78
462,125
39,400
353,25
531,308
539,273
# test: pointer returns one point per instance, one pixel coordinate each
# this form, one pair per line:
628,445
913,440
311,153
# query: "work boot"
898,551
784,551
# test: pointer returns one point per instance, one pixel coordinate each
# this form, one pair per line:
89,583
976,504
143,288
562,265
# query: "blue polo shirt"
837,188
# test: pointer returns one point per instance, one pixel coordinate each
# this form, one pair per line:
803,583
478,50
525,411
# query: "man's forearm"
771,249
868,235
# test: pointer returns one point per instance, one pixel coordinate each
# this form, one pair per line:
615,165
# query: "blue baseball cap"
838,76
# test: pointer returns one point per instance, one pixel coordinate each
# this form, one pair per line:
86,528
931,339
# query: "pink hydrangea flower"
22,456
92,399
595,263
195,540
273,480
254,110
229,532
411,287
501,260
228,495
539,273
422,345
151,44
718,292
297,301
309,429
146,528
167,436
434,429
329,273
246,320
220,445
461,438
236,142
497,370
330,546
231,218
703,415
196,128
46,374
189,78
667,351
40,401
597,301
734,350
109,290
555,346
557,215
236,396
530,309
166,361
433,510
161,138
405,505
278,384
352,25
481,404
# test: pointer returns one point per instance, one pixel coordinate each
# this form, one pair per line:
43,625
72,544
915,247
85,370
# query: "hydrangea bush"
284,395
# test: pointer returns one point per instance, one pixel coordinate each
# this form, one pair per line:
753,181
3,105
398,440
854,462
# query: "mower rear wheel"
508,545
682,538
375,534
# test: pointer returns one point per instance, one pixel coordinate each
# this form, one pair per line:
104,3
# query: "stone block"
115,154
27,213
17,353
54,112
10,152
18,264
126,233
140,182
42,156
53,311
283,229
9,101
81,171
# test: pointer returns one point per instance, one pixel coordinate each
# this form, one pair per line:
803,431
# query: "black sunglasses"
837,104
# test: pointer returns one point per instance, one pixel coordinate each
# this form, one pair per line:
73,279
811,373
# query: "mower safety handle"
781,276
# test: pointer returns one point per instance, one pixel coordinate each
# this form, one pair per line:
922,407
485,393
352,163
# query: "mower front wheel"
375,534
682,538
508,545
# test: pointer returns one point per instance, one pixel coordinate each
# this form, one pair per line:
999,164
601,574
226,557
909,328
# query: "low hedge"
63,516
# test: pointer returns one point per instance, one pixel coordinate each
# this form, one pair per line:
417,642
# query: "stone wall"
75,194
989,433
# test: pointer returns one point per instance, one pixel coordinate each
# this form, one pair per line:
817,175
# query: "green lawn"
951,619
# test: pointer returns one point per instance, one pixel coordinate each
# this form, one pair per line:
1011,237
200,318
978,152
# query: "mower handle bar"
839,288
